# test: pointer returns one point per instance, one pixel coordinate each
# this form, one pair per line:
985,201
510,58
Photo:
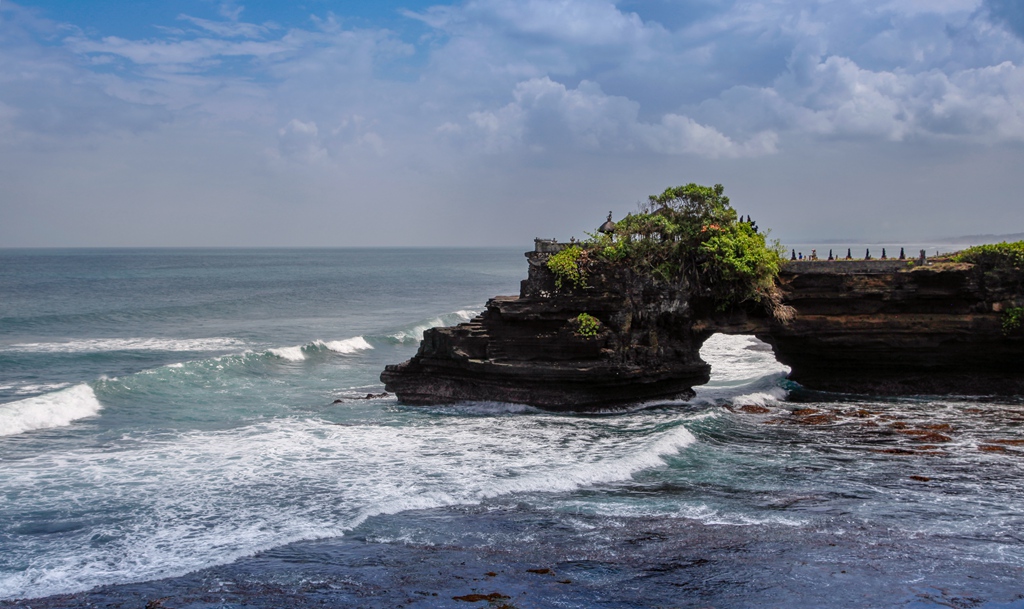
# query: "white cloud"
546,115
554,87
229,29
941,7
301,139
175,52
306,142
581,22
837,98
682,135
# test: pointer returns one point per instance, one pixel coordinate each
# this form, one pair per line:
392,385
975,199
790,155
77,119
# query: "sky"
491,122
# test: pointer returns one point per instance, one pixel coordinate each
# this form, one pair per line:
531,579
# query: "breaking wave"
349,345
414,333
298,353
185,507
50,410
292,354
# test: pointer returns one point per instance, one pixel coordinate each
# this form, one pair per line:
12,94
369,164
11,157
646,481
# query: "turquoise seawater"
168,411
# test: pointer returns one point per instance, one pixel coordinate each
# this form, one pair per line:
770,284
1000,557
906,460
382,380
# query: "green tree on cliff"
692,233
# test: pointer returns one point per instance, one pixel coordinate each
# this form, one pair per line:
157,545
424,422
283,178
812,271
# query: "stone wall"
846,267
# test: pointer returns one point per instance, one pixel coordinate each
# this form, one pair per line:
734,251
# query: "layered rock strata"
528,349
884,327
887,327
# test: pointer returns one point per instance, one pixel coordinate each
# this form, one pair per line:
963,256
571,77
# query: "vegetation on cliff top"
994,256
1001,264
570,266
687,233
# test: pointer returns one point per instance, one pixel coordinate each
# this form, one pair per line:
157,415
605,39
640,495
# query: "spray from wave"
50,410
414,333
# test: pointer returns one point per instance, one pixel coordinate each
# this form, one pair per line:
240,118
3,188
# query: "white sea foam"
203,498
739,358
27,389
347,346
483,408
297,353
50,410
743,371
292,354
770,397
95,345
693,510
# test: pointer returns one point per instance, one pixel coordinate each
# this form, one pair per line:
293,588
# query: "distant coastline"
982,239
960,240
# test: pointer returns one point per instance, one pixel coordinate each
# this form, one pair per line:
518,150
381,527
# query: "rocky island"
620,319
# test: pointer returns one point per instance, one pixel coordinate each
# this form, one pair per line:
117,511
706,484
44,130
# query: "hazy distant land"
961,240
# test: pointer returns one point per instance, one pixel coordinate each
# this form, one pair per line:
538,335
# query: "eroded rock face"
881,327
890,328
526,349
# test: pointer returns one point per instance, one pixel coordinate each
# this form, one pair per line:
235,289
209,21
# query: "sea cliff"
893,327
886,327
529,348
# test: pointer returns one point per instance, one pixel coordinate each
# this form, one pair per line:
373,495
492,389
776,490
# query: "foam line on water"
37,388
541,477
97,345
55,409
675,509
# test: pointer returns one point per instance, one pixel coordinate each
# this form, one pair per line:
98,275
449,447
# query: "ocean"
203,428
